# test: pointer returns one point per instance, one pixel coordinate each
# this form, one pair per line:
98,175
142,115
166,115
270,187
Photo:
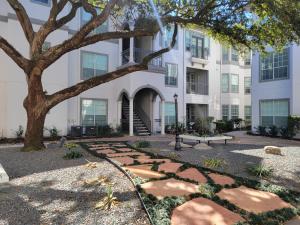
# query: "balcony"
197,81
155,65
198,88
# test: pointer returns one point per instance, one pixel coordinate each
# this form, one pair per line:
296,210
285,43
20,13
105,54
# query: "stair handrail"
144,117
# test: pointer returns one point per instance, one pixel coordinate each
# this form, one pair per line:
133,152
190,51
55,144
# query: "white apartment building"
276,87
208,79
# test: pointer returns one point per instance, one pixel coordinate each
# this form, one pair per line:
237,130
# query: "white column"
120,51
162,113
119,116
131,51
131,117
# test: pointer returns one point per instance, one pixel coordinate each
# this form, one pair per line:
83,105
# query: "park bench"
205,139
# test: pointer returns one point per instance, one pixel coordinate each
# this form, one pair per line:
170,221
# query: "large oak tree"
247,23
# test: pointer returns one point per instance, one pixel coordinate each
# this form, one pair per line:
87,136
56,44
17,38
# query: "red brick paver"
201,211
169,187
106,151
145,160
169,167
144,171
124,160
221,179
193,174
124,149
125,154
253,200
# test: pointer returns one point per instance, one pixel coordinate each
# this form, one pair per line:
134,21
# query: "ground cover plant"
160,210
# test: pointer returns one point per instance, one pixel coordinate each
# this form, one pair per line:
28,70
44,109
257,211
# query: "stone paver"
99,148
253,200
106,151
193,174
295,221
144,171
145,160
201,211
221,179
99,145
119,145
125,154
124,160
169,187
169,167
124,149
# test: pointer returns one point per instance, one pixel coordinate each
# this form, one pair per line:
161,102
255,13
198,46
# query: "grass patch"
260,171
214,163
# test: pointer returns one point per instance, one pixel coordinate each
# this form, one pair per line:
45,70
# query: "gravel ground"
239,157
47,189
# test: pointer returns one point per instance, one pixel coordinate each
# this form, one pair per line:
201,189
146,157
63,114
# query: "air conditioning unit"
91,131
76,131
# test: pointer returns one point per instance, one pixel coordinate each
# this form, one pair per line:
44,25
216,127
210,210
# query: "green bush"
261,130
53,132
202,125
214,163
237,123
142,144
273,131
224,126
73,155
70,145
260,171
19,133
293,126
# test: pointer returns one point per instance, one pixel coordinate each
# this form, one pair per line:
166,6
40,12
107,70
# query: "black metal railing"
138,55
144,117
197,88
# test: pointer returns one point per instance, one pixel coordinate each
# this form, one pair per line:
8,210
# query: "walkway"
186,194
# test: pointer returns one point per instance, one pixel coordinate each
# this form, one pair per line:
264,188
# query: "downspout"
184,79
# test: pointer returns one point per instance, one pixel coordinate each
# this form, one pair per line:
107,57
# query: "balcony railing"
197,88
201,53
138,55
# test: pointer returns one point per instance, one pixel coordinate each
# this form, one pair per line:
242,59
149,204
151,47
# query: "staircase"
138,125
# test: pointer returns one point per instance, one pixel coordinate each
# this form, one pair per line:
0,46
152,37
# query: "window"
247,85
166,38
169,113
225,54
86,17
247,112
247,59
275,65
93,112
197,81
225,112
234,83
198,44
225,83
44,2
171,76
234,55
93,65
235,112
274,112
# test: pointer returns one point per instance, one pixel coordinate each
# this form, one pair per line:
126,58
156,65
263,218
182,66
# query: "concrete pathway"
169,178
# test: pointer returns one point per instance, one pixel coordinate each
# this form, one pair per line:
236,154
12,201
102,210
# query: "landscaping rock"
252,200
272,150
169,187
182,145
202,146
201,211
3,175
193,174
221,179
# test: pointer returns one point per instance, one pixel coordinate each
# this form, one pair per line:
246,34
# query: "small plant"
260,171
53,132
71,145
261,130
19,132
101,180
273,131
173,156
142,144
91,165
207,190
109,201
73,155
214,163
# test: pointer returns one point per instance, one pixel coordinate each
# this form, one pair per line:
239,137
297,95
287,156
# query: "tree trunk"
36,107
34,132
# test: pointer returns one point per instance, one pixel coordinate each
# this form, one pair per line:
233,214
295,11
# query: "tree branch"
76,89
22,62
23,19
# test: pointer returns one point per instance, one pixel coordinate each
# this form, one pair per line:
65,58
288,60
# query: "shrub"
19,133
284,132
237,123
224,126
70,145
73,155
202,125
142,144
53,132
293,126
108,201
261,130
214,163
207,190
260,171
273,131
